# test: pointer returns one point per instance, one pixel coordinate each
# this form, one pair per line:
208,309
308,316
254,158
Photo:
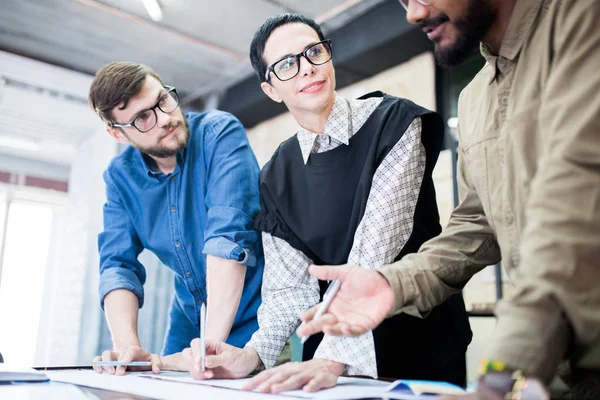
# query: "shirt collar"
337,126
518,31
146,163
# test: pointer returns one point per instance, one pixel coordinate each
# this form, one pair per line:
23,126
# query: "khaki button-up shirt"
529,179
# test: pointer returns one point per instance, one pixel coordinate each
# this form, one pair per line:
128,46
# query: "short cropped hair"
257,47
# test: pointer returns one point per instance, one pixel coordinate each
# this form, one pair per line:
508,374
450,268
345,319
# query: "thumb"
327,272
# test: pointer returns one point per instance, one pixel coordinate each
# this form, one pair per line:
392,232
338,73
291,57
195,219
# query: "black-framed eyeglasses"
146,120
288,67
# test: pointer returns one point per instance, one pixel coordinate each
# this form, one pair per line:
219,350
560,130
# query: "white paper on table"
346,388
178,385
133,384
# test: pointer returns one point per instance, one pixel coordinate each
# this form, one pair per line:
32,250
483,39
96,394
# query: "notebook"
419,388
21,374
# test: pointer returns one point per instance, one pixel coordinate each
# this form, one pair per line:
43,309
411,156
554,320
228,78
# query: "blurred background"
53,149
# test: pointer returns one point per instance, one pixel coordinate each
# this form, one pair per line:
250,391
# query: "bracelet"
511,383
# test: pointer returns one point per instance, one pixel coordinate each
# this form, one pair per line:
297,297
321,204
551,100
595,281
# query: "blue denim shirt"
206,206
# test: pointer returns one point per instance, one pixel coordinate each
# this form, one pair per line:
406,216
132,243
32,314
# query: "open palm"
362,302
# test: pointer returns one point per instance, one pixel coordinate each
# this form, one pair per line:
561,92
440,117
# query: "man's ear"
117,134
271,92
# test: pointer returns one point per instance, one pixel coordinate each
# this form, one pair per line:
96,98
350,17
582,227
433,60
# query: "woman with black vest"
353,185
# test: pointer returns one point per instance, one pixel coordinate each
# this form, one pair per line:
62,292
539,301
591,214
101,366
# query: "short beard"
164,152
472,26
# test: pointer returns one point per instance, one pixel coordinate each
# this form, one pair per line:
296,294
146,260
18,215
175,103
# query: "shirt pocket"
523,148
482,167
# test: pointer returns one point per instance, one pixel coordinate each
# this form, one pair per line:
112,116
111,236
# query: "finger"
327,272
258,379
190,363
310,313
125,357
97,369
108,355
355,331
201,376
156,363
322,380
196,349
318,325
188,358
343,329
276,378
295,381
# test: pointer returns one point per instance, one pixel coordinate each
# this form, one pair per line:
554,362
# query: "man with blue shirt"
186,189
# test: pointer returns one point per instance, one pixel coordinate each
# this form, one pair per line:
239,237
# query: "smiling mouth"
434,31
311,87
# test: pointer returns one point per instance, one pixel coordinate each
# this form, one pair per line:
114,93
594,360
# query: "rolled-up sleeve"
232,197
119,247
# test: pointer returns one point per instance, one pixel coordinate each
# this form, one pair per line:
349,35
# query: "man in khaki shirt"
529,180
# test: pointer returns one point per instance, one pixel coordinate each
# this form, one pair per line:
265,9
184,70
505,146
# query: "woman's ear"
271,92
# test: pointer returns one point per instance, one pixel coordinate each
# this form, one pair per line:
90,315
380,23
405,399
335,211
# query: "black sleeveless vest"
317,207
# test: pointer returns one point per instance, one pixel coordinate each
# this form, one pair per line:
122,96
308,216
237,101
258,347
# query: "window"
25,237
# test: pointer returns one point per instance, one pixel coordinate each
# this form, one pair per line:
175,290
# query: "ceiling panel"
87,39
200,46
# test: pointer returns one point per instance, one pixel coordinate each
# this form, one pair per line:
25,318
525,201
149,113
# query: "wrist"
335,367
253,358
509,382
125,343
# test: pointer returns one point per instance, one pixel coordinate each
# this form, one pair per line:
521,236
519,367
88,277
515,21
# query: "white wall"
74,312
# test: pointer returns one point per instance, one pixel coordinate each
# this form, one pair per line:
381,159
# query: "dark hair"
257,47
115,84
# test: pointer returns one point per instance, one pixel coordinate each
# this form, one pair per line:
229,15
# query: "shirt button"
173,209
501,62
188,274
177,244
509,219
504,101
172,177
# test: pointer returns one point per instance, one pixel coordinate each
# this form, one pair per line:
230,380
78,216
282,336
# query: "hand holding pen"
363,300
330,293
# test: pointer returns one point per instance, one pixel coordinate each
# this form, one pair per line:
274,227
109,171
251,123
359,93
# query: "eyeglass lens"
167,104
289,67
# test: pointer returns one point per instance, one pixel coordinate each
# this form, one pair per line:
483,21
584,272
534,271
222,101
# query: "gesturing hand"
362,302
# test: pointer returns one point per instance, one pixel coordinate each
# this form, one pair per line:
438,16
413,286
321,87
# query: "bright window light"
22,282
